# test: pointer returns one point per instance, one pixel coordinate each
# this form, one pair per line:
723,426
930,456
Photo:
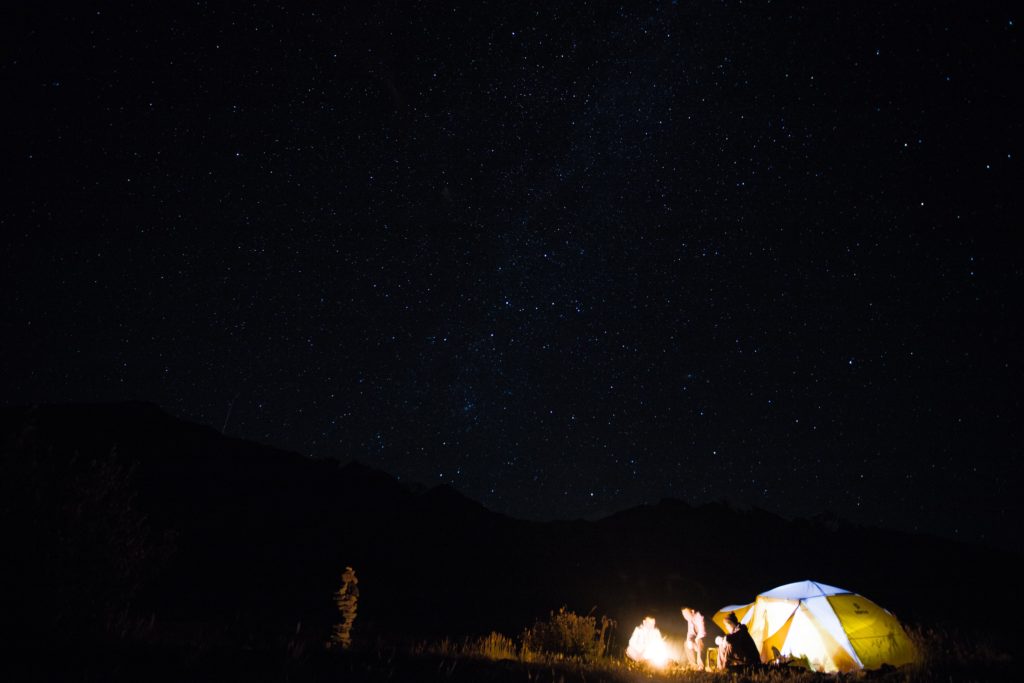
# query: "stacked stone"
346,599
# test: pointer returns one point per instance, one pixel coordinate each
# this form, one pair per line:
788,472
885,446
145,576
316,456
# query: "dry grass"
946,655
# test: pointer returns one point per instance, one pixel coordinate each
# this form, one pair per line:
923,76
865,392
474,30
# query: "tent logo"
857,609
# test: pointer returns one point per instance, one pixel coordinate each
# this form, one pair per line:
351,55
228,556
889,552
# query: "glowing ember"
647,645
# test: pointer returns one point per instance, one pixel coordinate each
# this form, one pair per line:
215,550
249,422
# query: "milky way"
564,260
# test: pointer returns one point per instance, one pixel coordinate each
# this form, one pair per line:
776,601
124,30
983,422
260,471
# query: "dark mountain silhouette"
255,537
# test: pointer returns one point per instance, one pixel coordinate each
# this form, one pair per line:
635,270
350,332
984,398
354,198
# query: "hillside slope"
256,535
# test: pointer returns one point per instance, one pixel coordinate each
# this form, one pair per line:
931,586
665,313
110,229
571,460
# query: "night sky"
566,257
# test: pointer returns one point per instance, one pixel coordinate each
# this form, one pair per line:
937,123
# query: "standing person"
737,648
694,637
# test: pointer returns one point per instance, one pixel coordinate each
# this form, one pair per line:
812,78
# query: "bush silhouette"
568,634
78,550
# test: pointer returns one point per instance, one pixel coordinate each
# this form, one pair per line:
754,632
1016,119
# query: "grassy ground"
947,657
372,666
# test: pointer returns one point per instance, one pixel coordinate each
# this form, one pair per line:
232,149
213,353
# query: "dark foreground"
296,660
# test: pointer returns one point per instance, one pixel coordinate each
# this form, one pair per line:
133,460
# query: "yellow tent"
835,629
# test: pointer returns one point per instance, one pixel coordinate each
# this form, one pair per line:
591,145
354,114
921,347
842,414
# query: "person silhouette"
736,649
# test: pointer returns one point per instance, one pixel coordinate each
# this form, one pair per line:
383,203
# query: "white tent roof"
734,608
802,590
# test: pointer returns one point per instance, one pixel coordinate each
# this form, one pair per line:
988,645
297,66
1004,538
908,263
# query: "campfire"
648,646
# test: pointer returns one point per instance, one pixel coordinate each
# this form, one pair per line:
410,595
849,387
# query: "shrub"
77,550
568,634
943,648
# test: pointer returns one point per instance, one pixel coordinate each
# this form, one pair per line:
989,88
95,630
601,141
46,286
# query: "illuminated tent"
835,629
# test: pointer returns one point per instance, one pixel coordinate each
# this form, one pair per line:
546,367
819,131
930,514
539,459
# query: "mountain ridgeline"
125,504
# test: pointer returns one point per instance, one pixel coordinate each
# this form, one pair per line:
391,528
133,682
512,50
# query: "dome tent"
835,629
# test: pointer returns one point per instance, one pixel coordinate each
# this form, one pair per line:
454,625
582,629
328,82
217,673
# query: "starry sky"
565,257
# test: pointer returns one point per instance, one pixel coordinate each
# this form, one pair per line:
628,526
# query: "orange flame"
647,645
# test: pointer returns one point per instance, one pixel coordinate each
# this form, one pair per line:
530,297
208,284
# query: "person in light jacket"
695,633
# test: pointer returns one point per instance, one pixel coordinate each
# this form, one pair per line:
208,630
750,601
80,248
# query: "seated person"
737,648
